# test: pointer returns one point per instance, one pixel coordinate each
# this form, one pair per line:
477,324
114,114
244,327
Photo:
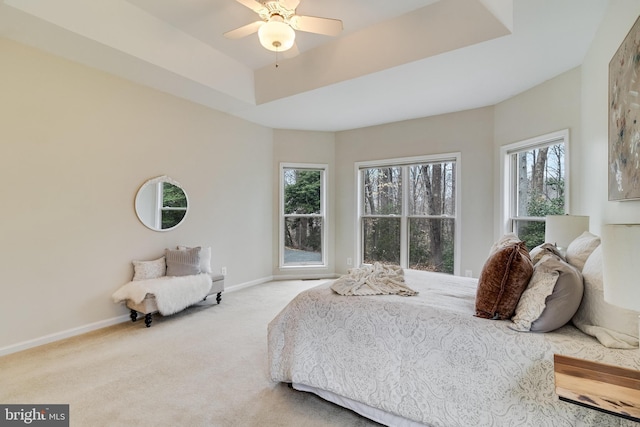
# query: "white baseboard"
57,336
306,276
248,284
24,345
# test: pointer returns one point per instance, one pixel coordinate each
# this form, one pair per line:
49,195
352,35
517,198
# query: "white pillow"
580,249
205,258
143,270
613,326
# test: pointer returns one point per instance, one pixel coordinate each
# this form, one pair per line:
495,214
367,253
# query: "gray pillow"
538,252
565,299
534,299
183,262
205,258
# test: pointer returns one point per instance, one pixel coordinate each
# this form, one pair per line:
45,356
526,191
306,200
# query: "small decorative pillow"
183,263
544,309
143,270
579,250
538,252
205,258
504,277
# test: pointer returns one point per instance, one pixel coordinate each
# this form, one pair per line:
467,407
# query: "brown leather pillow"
503,279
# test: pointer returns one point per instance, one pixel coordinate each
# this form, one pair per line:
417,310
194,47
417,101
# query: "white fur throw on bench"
173,293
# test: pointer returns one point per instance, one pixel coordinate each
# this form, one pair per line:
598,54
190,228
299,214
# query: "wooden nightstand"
606,388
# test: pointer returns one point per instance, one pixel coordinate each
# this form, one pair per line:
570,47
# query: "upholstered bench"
171,283
148,307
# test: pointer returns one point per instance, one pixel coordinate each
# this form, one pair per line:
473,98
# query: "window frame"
161,208
508,178
324,172
404,163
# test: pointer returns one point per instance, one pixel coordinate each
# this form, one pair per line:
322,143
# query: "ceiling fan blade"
314,24
252,4
244,30
292,52
290,4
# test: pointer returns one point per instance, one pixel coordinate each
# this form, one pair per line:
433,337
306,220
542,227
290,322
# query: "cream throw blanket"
376,279
173,293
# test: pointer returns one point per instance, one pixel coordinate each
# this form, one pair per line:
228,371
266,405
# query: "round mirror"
161,204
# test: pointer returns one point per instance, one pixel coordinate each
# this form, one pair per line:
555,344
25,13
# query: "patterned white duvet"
428,359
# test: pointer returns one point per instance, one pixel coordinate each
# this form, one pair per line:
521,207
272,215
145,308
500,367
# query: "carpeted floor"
206,366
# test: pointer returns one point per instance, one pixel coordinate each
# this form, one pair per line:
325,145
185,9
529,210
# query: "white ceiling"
395,60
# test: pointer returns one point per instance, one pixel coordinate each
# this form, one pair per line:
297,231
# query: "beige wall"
293,146
76,144
593,198
551,106
468,132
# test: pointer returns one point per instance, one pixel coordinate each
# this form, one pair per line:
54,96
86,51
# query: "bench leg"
133,315
147,320
219,297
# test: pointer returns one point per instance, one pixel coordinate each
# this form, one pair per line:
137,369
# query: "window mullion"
513,199
404,226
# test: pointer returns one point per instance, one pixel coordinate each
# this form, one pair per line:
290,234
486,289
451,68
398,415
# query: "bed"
426,360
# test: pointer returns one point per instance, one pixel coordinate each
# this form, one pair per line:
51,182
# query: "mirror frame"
139,198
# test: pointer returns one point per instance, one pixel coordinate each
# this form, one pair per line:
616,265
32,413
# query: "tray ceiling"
394,60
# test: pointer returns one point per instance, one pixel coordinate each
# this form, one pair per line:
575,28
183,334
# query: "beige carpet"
206,366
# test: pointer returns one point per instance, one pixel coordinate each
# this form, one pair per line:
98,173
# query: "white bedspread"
173,293
428,359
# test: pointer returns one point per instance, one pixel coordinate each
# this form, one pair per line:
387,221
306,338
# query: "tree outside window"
303,216
408,215
432,216
537,171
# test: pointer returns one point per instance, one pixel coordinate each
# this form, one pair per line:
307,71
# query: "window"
535,184
407,212
302,215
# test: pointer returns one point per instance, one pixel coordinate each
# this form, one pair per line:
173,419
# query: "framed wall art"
624,118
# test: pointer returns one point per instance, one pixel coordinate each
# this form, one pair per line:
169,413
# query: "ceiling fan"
277,23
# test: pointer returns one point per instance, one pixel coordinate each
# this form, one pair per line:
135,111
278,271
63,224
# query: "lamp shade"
621,265
276,35
563,229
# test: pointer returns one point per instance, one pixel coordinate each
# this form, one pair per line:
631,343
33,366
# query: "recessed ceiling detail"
394,60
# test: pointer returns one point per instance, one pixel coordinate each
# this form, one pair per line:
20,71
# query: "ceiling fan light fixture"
276,35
